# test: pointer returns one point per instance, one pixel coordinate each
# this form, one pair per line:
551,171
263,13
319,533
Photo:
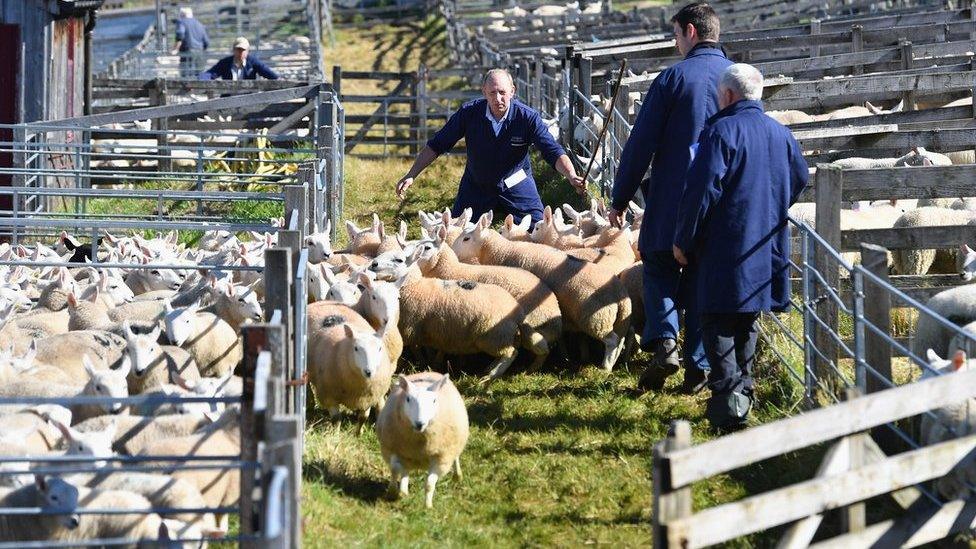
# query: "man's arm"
264,70
555,155
641,145
799,172
213,73
180,35
703,188
442,142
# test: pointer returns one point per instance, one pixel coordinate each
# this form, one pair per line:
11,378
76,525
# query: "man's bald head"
498,87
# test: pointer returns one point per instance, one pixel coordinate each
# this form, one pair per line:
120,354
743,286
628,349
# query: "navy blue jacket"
252,68
191,34
491,160
675,109
747,171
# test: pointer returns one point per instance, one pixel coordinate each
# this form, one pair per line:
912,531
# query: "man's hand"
402,186
175,52
616,217
679,256
578,183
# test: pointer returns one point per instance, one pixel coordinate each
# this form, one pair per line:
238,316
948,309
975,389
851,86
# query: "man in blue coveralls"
498,130
191,42
732,226
675,109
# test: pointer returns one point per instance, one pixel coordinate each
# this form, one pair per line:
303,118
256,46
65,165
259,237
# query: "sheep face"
217,240
968,271
116,289
344,292
245,303
91,444
420,404
107,383
319,246
57,495
515,231
143,350
180,324
939,366
160,279
206,387
317,285
390,265
382,302
367,351
468,245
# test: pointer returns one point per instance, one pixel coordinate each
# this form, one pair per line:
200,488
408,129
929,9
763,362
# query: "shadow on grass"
361,487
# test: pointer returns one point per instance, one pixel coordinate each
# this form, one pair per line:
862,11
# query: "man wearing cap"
498,130
239,66
191,42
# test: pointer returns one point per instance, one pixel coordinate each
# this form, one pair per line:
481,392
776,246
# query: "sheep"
348,367
919,262
552,231
957,304
235,304
379,304
101,383
146,279
135,432
589,221
24,366
424,425
612,249
591,298
511,230
54,297
219,487
461,317
44,324
537,300
320,244
69,351
212,343
62,523
949,422
788,117
153,364
40,436
340,290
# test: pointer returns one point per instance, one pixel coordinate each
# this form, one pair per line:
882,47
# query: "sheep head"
420,405
59,496
367,351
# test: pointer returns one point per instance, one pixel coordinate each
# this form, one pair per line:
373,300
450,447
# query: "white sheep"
949,422
154,364
135,432
68,352
347,361
957,304
320,244
424,425
538,302
591,298
919,262
214,345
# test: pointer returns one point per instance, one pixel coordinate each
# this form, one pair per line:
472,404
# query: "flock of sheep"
113,333
463,288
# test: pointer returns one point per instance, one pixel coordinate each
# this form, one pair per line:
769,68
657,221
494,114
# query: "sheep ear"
466,216
446,217
365,280
966,249
404,383
932,356
380,228
402,233
423,234
376,223
89,367
871,108
526,222
40,482
509,221
547,215
442,234
72,300
436,386
125,368
959,360
348,331
900,106
352,230
127,328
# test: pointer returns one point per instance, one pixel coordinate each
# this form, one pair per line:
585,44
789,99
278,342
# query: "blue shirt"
252,68
732,220
493,159
191,34
675,109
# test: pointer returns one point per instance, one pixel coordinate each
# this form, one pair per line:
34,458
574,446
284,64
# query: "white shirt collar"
496,125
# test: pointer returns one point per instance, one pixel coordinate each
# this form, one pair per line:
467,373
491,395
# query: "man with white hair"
498,130
732,227
191,42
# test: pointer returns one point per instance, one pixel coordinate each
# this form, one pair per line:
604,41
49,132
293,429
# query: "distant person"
239,66
191,42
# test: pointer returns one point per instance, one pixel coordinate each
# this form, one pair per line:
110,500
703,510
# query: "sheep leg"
540,348
429,494
613,345
499,366
457,468
363,417
399,481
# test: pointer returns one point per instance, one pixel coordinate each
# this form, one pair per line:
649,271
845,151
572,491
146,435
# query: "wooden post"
157,98
282,448
857,45
337,79
668,503
907,62
853,518
278,293
815,30
829,183
295,200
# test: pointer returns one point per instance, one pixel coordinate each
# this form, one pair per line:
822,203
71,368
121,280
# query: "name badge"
519,142
515,178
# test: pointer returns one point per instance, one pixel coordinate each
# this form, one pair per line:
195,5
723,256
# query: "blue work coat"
747,171
252,68
675,109
492,160
191,34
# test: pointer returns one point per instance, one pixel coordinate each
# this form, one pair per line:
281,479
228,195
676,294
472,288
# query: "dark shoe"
695,380
729,411
664,364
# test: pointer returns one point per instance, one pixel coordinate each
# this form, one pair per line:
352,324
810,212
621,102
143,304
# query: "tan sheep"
154,365
347,366
424,425
212,343
591,298
537,300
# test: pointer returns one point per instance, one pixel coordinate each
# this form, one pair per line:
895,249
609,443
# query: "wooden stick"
606,120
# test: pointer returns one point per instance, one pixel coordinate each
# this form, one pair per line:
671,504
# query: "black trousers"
730,345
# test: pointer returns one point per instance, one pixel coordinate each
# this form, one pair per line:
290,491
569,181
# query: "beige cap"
241,42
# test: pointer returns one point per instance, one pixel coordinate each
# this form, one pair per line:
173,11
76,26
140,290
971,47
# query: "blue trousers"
661,277
730,339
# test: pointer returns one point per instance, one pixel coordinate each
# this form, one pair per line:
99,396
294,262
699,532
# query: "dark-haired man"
675,109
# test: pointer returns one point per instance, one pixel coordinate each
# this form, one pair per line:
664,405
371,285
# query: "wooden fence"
853,470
